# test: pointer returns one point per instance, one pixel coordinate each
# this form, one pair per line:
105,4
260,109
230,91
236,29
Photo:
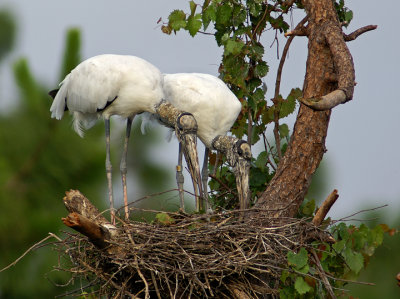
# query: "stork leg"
109,170
123,166
204,178
180,179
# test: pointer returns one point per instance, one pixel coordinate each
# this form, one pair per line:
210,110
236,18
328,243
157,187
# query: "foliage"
343,260
383,266
238,27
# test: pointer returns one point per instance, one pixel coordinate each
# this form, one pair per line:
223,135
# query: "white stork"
107,85
215,109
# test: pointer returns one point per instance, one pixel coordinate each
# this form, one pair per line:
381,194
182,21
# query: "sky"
362,156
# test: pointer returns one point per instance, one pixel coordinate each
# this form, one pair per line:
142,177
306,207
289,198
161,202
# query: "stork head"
238,154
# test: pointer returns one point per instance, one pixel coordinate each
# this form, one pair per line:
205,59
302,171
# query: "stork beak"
189,142
242,173
187,134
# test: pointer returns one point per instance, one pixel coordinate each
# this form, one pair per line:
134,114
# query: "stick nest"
190,256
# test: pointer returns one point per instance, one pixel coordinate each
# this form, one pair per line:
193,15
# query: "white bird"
107,85
215,109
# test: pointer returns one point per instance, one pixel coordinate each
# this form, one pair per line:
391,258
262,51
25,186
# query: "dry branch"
88,228
325,207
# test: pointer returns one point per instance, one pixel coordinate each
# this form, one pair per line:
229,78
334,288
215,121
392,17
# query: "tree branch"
86,219
87,228
276,99
321,273
325,207
352,36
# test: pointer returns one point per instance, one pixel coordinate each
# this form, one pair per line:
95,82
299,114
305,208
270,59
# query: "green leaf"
344,231
301,286
284,132
261,160
208,15
285,274
258,178
339,246
233,47
298,260
304,269
177,19
348,16
308,208
377,235
261,69
268,115
164,218
354,260
224,14
287,106
194,24
192,7
257,51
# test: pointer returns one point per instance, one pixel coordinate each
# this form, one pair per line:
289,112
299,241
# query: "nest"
189,256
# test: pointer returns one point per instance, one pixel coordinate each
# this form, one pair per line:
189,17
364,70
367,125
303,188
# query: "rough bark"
287,189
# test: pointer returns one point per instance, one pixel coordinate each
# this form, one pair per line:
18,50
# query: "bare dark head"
187,123
243,149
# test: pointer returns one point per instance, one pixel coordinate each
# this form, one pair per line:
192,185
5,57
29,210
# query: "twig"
155,284
29,250
322,275
325,207
362,211
249,127
221,182
276,100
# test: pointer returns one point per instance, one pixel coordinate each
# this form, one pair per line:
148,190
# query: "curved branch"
278,85
326,102
358,32
344,69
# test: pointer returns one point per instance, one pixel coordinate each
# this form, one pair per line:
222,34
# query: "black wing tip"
53,93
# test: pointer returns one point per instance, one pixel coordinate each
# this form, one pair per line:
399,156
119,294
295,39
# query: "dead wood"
88,228
325,207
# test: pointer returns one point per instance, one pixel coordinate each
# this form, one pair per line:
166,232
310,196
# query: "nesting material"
189,256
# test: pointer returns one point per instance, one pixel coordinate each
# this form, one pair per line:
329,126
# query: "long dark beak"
242,171
189,145
186,131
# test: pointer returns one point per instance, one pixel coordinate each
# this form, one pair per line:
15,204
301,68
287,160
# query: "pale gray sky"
362,144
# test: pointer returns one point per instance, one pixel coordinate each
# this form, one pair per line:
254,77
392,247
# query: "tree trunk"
329,66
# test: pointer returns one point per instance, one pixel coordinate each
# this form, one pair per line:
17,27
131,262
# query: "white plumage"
97,81
212,103
107,85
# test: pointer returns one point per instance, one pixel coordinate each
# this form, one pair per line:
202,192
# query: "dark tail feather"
53,93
